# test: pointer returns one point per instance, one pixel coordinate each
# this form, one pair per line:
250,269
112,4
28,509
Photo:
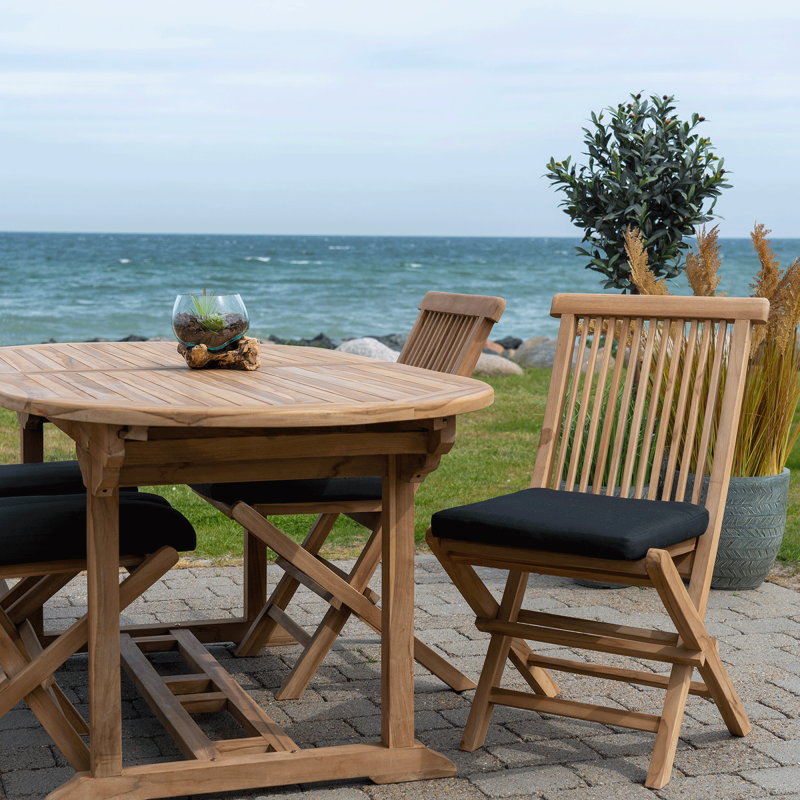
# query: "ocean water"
75,287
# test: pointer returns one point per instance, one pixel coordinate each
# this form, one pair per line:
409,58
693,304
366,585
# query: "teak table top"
148,383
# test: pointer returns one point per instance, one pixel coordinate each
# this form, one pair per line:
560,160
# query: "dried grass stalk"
772,388
765,437
641,275
769,275
784,308
702,269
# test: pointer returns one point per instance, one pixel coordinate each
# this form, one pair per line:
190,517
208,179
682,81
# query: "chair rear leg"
693,632
334,620
720,685
264,626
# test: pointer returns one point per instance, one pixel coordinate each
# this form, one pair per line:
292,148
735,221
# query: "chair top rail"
467,304
450,332
755,309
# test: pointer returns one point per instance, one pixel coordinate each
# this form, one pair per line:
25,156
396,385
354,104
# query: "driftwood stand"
245,353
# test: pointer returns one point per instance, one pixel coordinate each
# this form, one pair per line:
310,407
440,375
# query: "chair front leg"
494,665
335,619
482,603
669,727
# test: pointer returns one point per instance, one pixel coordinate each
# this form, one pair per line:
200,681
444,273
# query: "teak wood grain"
295,387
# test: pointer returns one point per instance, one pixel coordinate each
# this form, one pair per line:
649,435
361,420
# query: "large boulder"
394,340
371,348
492,366
539,351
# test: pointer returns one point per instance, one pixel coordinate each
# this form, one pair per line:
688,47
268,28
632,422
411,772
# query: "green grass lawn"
494,454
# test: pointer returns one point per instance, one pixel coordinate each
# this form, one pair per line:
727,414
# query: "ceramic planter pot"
752,529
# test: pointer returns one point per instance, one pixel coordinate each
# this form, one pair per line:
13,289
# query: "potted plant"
755,515
647,169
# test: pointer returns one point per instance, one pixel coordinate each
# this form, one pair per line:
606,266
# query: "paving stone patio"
526,755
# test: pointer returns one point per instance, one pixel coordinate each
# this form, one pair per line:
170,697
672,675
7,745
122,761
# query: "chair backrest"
451,331
646,391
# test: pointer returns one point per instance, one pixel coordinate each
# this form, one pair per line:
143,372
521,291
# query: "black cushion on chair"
53,527
595,526
49,477
297,491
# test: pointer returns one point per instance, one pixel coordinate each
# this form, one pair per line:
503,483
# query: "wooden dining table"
139,416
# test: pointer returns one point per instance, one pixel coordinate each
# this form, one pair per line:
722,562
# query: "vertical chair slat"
694,406
710,412
616,455
655,395
602,372
584,404
552,424
694,363
638,411
573,399
680,409
678,332
605,438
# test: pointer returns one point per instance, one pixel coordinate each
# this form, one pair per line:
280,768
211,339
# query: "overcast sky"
385,117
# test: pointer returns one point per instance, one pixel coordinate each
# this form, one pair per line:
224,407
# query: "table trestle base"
208,688
373,760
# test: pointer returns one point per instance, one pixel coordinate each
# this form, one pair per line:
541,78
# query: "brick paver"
526,755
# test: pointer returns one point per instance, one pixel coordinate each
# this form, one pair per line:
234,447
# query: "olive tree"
649,170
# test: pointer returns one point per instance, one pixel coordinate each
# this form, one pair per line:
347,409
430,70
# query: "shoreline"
394,341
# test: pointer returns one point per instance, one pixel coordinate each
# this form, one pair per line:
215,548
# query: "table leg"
31,438
103,600
397,610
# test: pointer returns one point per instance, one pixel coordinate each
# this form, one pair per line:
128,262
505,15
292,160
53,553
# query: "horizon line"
341,235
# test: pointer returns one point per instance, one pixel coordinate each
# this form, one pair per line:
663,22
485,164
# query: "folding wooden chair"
42,478
43,545
448,336
619,441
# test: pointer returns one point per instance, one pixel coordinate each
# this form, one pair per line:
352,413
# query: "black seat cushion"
49,477
53,527
570,522
297,491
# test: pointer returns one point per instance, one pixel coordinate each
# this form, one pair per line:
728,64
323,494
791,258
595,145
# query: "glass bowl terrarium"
215,320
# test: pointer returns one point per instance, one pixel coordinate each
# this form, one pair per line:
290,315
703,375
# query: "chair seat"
41,528
49,477
595,526
296,491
